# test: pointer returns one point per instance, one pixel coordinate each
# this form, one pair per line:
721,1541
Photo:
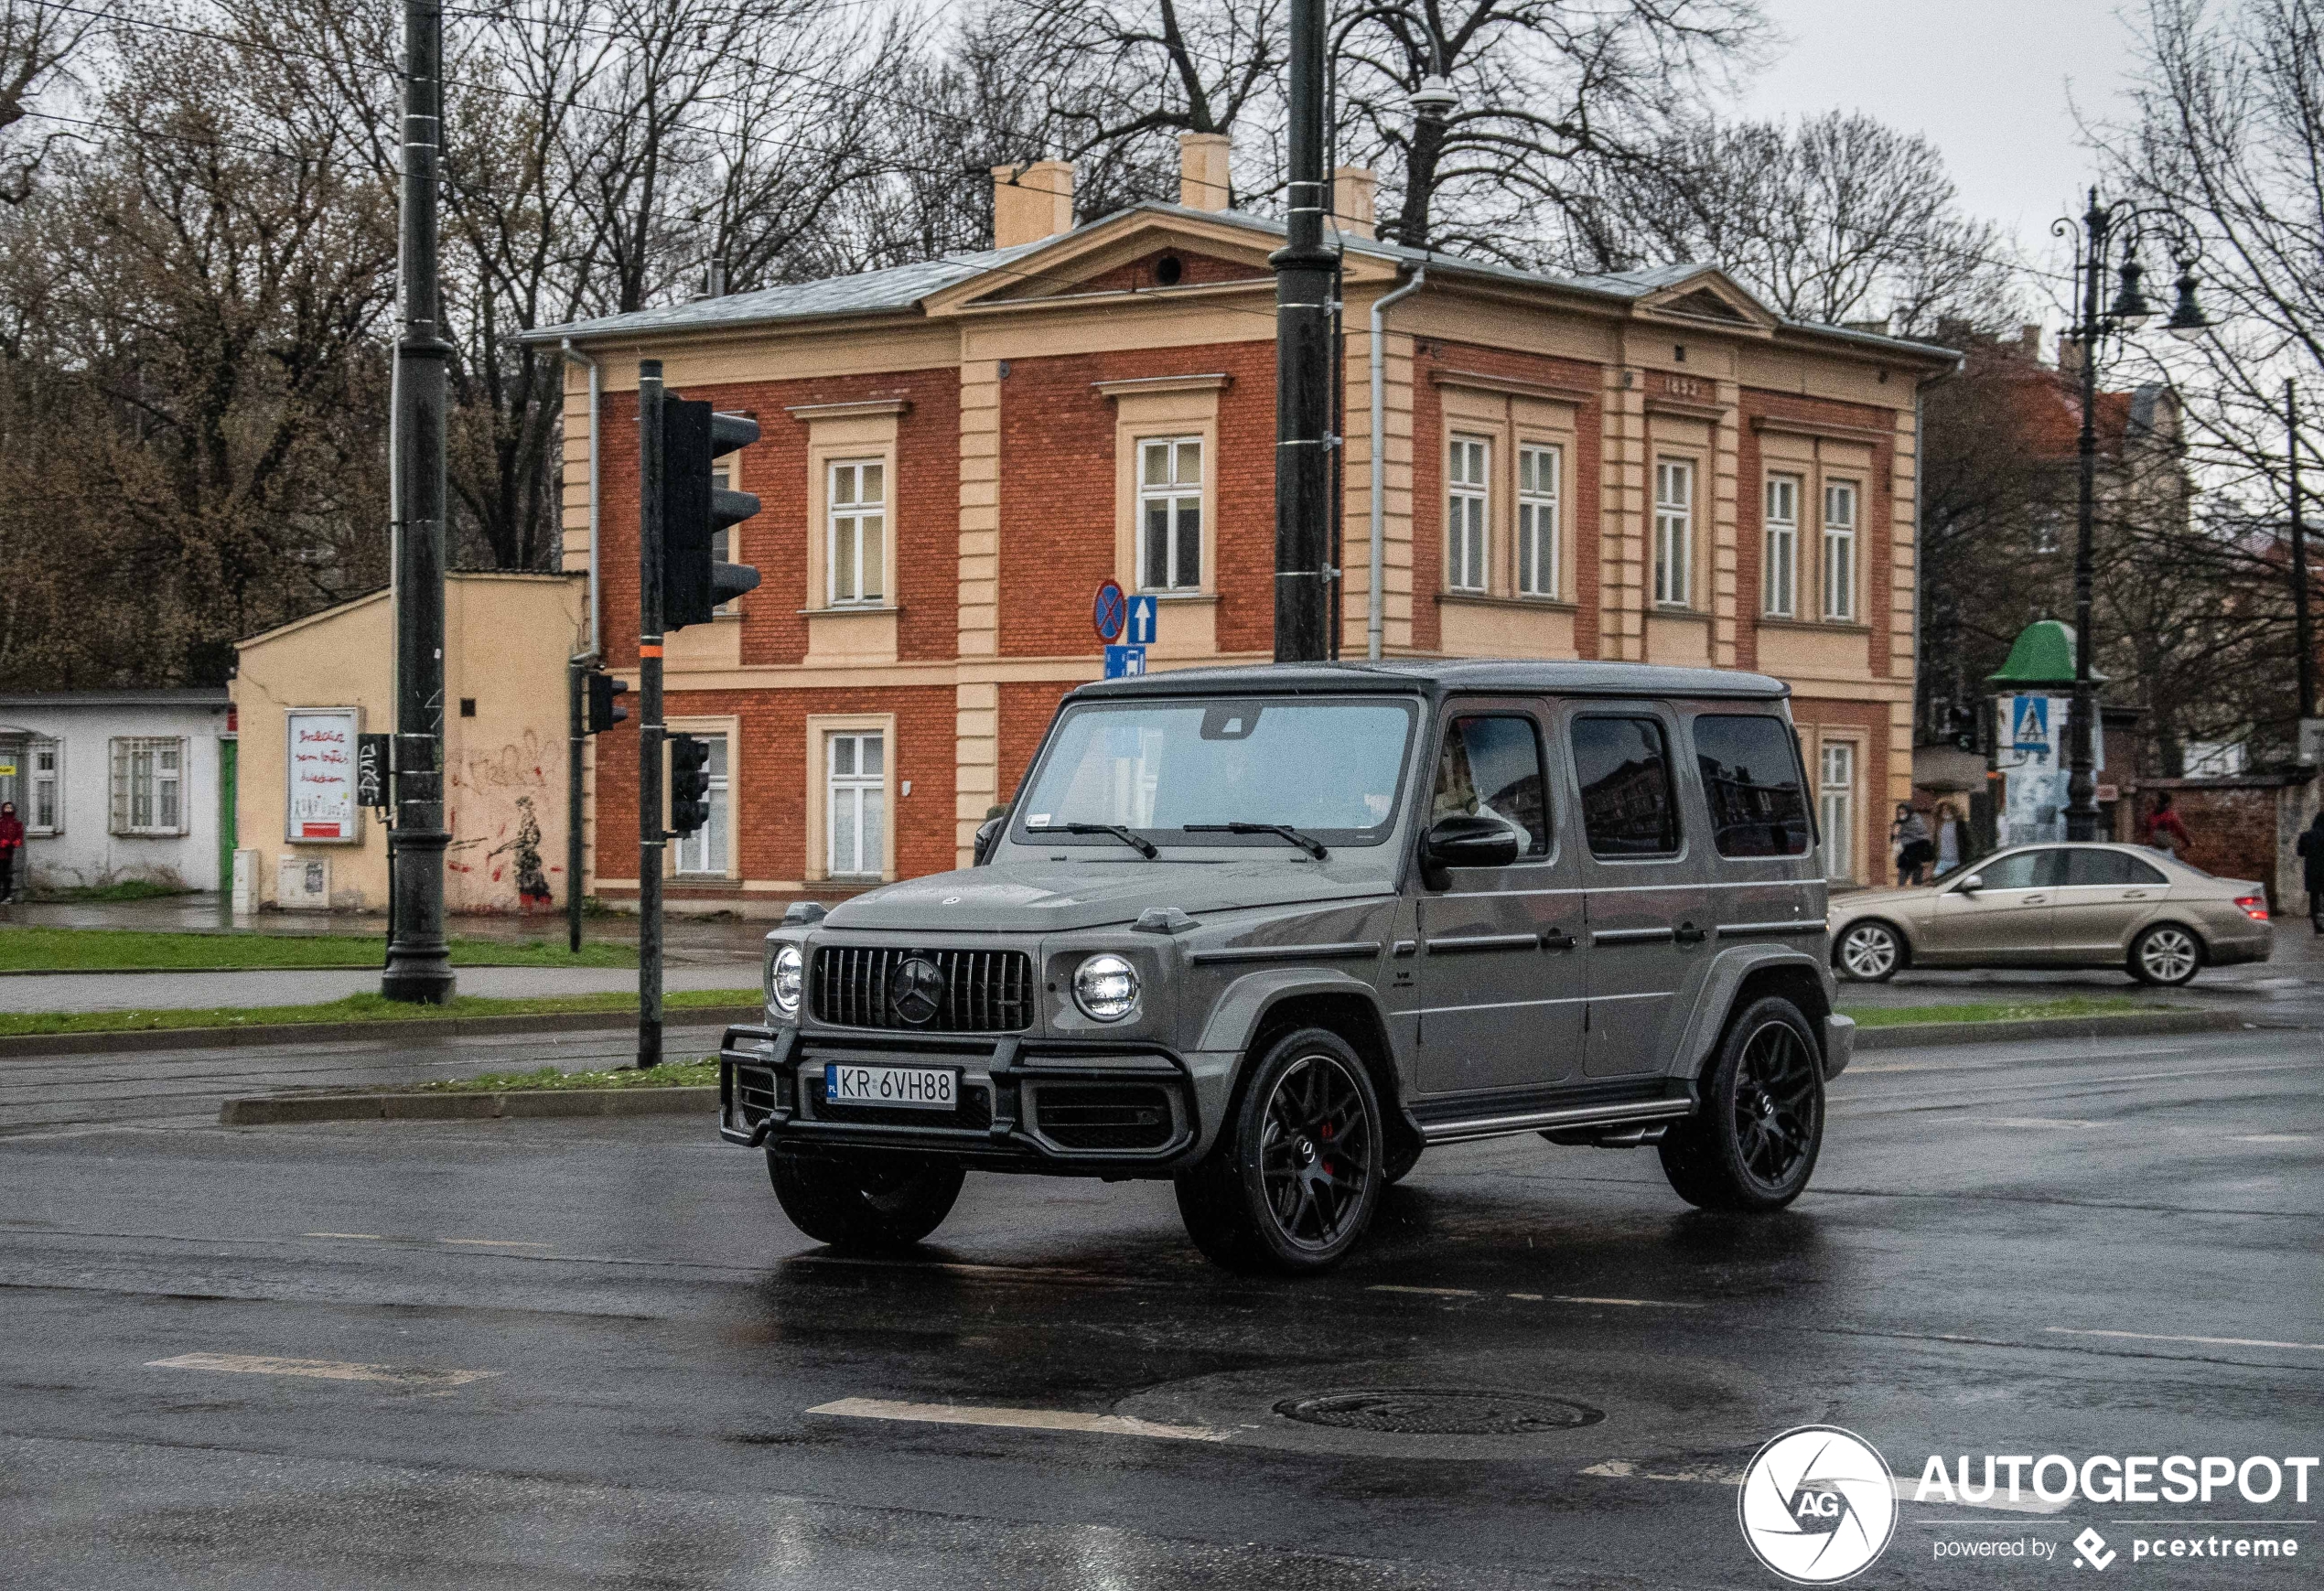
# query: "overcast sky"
1993,83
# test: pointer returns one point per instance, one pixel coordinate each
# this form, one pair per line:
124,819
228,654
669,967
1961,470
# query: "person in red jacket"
11,843
2164,831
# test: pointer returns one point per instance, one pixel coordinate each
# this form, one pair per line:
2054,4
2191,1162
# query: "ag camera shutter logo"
1817,1505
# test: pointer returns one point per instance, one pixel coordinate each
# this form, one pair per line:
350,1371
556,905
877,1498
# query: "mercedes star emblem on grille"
917,990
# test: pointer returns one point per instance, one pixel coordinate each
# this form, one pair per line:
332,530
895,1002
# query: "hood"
1857,902
1053,896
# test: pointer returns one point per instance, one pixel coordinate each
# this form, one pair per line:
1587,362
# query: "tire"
1298,1167
1868,951
1753,1143
2167,956
866,1199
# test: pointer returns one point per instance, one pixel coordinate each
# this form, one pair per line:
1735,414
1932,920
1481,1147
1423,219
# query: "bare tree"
41,45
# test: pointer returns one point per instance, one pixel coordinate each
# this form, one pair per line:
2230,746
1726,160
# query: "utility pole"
650,838
2303,625
419,964
1304,271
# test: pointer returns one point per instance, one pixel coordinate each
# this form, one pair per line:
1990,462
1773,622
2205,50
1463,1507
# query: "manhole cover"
1439,1412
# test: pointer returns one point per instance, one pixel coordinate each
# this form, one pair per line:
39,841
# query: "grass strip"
355,1008
670,1074
124,950
2005,1011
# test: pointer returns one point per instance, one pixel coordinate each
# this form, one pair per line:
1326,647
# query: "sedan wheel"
1869,952
2167,956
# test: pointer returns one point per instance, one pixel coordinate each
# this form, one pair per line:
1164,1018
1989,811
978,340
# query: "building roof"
130,696
905,287
1438,675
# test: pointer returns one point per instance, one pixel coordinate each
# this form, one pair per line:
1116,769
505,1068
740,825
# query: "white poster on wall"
322,775
2031,754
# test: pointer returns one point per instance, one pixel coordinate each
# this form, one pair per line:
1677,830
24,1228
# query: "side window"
2024,870
1752,776
2109,867
1493,767
1627,807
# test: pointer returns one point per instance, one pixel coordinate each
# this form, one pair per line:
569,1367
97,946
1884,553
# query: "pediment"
1709,296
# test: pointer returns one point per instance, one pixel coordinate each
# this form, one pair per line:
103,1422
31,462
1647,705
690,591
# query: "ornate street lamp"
2110,236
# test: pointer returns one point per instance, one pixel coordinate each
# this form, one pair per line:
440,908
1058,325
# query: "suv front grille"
985,991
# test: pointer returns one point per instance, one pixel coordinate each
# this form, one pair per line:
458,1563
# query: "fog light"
1106,988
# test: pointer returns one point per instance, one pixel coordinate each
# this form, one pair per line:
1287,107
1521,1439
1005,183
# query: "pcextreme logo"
1817,1505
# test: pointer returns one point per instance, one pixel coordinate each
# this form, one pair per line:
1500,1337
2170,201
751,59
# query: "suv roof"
1439,676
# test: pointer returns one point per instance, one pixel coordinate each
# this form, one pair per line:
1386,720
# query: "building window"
1837,806
708,851
1465,510
45,814
1839,550
858,532
148,786
1537,549
2047,530
1783,545
1170,513
722,544
857,797
1673,532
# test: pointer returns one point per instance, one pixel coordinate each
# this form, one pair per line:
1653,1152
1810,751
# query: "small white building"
119,785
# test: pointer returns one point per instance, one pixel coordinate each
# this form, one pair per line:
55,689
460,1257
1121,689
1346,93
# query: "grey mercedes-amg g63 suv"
1271,933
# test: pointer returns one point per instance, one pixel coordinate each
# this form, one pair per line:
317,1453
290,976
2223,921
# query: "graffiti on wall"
496,799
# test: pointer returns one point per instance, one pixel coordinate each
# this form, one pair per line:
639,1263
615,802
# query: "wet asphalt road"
604,1343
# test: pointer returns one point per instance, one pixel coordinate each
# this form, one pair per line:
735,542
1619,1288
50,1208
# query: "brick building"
952,455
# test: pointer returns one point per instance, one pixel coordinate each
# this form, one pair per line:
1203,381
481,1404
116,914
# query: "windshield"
1328,769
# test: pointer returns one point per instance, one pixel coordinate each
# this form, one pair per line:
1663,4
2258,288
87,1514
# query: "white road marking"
1530,1298
319,1369
496,1242
2024,1122
1423,1292
2206,1341
2275,1138
1625,1303
363,1236
1015,1419
1623,1469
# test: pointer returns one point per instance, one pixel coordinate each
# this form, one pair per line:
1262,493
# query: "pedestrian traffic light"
603,713
695,580
689,783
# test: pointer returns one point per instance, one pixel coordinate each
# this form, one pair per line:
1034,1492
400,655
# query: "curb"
1913,1034
467,1107
133,1039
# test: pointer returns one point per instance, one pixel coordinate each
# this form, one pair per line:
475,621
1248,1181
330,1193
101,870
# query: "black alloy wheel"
1296,1173
1753,1143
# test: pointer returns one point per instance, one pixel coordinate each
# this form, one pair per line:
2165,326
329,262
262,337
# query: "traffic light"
689,783
694,581
603,713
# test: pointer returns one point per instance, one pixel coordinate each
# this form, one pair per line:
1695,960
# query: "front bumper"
1024,1104
1839,1044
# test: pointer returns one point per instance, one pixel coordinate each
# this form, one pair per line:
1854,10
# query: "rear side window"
1493,767
1624,768
2109,867
1752,779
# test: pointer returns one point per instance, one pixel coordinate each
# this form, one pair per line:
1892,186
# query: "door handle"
1558,938
1686,933
2133,894
2037,901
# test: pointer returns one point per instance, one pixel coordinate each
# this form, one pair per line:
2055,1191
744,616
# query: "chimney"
2030,341
1352,187
1031,202
1203,182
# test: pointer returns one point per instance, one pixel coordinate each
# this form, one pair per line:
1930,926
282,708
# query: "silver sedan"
2056,906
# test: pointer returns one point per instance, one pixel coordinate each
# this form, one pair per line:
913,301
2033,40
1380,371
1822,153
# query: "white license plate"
911,1088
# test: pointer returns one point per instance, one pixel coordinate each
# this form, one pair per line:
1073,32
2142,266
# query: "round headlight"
1106,988
785,975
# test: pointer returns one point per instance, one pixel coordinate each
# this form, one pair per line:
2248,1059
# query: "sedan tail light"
2254,907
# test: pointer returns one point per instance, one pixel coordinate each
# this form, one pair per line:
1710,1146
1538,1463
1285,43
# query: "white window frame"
1841,501
35,779
694,856
1781,567
1673,533
722,540
1468,518
1541,478
142,759
845,520
1835,806
848,793
1176,498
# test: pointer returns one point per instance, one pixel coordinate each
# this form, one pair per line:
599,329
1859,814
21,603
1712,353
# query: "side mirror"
988,834
1468,842
1971,884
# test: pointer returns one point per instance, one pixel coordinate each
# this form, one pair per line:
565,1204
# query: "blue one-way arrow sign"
1144,614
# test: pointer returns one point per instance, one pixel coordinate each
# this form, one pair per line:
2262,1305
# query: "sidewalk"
208,913
184,990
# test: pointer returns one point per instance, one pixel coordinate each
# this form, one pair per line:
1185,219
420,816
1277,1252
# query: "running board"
1435,1133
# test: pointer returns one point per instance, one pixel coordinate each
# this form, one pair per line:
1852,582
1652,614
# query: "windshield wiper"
1138,842
1308,843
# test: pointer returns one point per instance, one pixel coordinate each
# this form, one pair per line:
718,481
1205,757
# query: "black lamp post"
2110,236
